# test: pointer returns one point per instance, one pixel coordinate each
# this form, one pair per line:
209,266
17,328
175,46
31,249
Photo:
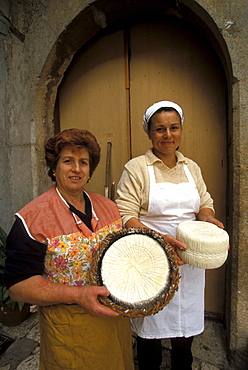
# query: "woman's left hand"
207,215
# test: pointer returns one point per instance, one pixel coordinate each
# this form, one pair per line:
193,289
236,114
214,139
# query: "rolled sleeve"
25,256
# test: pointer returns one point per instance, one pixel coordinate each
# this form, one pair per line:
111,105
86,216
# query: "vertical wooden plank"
92,96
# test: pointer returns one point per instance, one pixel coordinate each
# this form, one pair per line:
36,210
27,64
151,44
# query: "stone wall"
231,19
5,194
37,42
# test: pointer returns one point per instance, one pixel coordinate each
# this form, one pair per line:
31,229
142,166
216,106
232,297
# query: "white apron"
170,204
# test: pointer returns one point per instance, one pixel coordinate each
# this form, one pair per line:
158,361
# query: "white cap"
156,106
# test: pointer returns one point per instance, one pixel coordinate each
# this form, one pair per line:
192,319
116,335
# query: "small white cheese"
207,244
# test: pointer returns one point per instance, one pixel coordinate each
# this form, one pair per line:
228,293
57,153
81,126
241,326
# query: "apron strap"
151,174
188,175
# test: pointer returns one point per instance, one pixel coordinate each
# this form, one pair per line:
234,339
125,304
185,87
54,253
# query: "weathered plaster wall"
36,48
231,18
5,195
27,125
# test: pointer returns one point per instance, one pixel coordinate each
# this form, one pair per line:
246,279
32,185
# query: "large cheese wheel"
139,269
207,244
135,270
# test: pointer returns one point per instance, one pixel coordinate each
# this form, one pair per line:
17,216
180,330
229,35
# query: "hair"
71,138
163,109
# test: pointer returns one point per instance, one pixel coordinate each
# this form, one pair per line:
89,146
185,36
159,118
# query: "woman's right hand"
88,299
42,292
175,243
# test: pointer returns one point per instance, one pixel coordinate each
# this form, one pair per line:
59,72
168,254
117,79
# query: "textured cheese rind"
207,244
135,270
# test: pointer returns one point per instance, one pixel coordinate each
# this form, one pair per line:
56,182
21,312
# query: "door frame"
97,18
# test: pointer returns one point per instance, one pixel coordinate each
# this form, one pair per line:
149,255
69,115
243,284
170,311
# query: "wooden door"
106,91
93,97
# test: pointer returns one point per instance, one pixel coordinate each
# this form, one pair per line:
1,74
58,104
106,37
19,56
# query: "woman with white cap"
158,191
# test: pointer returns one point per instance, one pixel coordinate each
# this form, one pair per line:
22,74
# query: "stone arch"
102,14
51,35
64,34
89,23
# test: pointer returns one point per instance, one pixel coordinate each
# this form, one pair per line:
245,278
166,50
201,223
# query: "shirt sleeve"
132,191
24,256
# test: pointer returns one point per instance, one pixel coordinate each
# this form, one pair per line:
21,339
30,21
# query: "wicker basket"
146,308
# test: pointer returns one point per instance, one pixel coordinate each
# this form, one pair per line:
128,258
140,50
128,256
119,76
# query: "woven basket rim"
159,302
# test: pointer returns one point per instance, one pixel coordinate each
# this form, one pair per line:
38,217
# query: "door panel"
169,61
93,97
158,71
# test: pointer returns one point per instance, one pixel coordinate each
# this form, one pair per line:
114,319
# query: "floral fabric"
68,256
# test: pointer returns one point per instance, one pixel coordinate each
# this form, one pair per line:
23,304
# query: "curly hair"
71,137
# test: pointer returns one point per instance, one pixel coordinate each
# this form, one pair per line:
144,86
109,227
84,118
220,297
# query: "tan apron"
72,339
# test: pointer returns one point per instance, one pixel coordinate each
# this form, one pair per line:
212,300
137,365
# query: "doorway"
114,78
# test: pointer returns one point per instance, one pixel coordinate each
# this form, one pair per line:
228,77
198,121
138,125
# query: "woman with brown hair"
49,250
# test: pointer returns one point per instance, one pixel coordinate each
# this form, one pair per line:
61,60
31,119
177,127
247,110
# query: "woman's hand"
42,292
207,215
88,299
176,244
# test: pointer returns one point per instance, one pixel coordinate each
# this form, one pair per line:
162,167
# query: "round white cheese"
207,244
135,270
